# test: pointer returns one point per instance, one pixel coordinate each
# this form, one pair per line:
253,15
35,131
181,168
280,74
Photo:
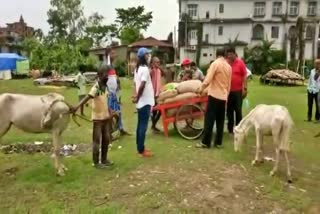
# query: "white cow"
268,120
36,114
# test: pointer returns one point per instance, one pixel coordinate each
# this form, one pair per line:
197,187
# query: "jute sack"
166,95
204,92
189,86
169,86
179,97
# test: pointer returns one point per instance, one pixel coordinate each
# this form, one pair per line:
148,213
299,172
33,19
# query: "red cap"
186,61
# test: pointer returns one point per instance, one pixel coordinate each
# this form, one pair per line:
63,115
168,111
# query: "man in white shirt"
144,98
313,91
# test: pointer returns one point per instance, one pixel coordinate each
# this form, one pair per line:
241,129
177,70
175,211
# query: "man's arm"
82,102
210,73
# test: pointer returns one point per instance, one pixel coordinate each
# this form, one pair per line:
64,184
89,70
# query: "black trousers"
215,114
155,116
234,108
101,136
313,98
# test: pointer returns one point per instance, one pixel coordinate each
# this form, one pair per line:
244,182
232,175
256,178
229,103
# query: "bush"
121,68
204,68
278,56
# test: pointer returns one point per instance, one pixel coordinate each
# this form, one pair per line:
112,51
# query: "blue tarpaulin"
8,61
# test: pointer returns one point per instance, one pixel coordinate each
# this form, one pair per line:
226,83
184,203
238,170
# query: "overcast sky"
165,13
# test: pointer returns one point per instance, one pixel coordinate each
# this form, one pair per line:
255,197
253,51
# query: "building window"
192,10
309,32
312,8
277,8
221,8
220,30
208,15
207,38
193,34
259,9
257,32
274,32
294,8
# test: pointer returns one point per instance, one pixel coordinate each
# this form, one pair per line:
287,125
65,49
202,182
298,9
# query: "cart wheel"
115,132
189,121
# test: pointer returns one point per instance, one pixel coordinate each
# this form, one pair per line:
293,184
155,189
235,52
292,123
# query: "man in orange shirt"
218,81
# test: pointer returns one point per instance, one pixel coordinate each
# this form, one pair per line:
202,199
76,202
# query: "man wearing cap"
143,98
186,73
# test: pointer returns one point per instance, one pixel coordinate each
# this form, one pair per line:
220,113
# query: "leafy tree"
66,19
129,35
96,31
261,56
131,22
301,42
133,17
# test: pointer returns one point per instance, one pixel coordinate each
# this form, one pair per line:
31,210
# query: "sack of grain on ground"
189,86
180,97
166,95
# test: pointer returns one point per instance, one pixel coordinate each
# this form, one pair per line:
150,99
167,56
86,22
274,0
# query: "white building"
248,20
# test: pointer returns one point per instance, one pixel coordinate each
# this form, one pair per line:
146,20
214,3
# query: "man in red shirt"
238,89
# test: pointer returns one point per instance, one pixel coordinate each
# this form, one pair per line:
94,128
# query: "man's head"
186,64
155,62
220,52
231,54
103,73
317,64
144,55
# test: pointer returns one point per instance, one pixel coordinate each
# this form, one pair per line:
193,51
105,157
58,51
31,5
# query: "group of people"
226,82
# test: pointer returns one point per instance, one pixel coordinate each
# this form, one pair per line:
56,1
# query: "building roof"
150,42
101,49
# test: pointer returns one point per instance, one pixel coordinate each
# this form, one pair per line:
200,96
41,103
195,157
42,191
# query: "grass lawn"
179,179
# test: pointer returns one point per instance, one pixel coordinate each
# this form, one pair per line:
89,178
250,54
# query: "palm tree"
301,42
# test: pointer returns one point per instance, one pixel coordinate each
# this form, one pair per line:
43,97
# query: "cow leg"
258,147
288,167
276,164
4,128
56,140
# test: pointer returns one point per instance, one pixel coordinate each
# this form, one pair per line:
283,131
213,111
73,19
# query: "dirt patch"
218,189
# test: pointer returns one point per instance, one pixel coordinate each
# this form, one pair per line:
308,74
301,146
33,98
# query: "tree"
133,17
38,34
261,56
170,38
300,29
131,22
233,43
129,35
66,20
96,31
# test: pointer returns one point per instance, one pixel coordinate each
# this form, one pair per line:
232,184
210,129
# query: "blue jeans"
143,119
115,106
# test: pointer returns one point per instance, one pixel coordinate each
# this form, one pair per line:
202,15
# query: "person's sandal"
201,146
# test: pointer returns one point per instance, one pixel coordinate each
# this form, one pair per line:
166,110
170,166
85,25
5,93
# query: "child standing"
101,116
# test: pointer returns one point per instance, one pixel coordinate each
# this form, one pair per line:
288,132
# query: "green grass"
178,179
